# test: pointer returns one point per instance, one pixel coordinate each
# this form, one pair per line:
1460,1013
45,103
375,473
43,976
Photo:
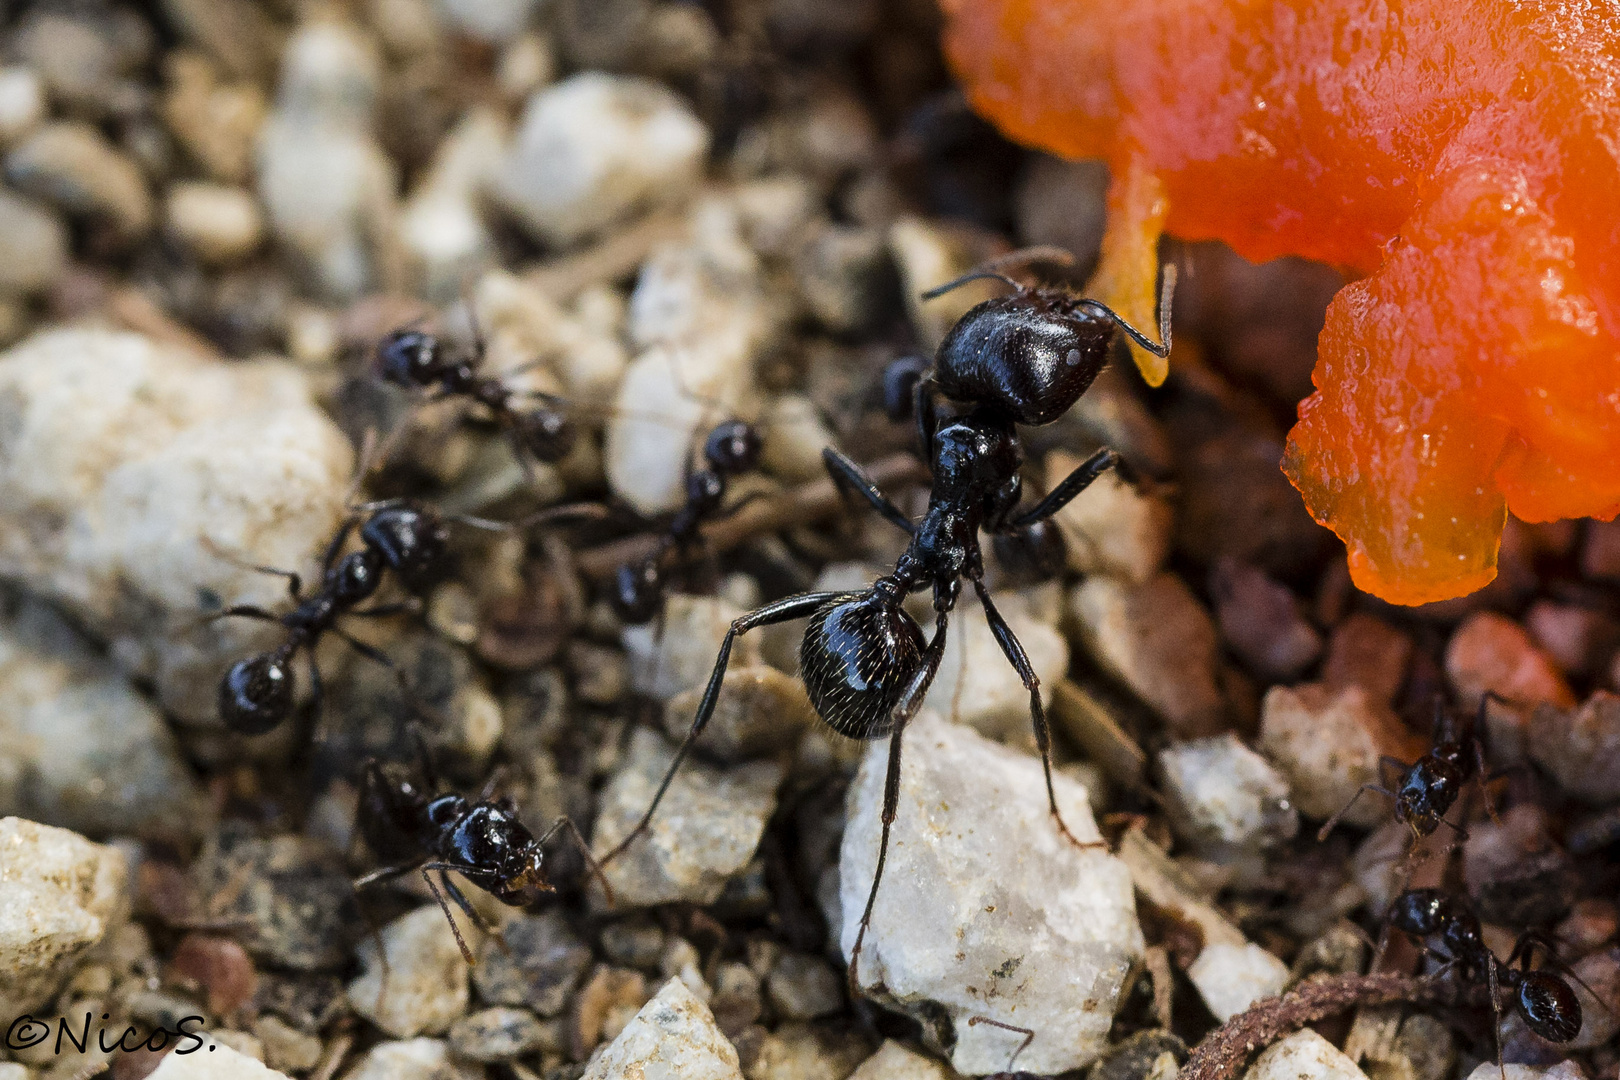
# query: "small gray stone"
1580,747
1328,744
705,831
22,103
760,712
800,1051
59,896
290,896
426,981
285,1047
87,59
803,987
895,1061
1224,797
70,165
682,657
1158,640
539,967
33,246
985,908
673,1037
83,749
494,1035
594,149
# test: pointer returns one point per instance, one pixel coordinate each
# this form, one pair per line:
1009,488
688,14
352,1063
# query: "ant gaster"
410,825
1024,358
730,450
1545,1000
418,360
1430,786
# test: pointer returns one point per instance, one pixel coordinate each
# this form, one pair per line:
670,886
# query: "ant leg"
332,549
1014,651
1496,1011
581,510
1328,826
784,610
387,873
376,655
910,701
245,611
584,849
466,906
466,953
294,582
922,405
851,479
384,610
1072,485
1028,1034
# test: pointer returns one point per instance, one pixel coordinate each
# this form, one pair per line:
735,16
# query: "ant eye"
256,694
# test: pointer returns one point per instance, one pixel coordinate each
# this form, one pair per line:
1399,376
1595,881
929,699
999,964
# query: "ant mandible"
730,450
256,695
411,825
1545,1000
1430,786
1024,358
418,360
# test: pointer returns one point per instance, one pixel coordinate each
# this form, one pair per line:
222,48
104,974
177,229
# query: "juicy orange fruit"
1461,156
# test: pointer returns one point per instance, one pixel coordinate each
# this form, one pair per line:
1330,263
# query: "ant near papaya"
731,449
1023,358
1430,786
1545,1001
410,823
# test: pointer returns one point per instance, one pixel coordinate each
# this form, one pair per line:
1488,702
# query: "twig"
797,506
1225,1050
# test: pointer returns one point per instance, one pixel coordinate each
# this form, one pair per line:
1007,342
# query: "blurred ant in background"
410,824
731,449
1023,358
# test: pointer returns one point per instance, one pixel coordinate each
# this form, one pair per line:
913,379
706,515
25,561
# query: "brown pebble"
606,1003
1600,554
1261,621
1579,639
219,965
1580,747
1368,652
1492,652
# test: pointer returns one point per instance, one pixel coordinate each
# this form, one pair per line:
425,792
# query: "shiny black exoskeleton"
730,450
410,825
1451,934
865,662
256,694
1430,786
418,360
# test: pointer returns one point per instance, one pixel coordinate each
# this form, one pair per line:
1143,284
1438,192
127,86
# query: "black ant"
1545,1000
1430,786
410,825
730,450
408,538
418,360
1018,359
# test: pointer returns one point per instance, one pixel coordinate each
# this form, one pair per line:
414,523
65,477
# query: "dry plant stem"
797,506
1222,1053
619,256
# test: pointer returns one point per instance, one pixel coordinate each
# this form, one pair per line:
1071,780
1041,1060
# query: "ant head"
546,434
900,379
409,357
1034,553
413,541
1549,1006
704,490
1033,353
859,653
1426,792
637,590
1421,912
524,882
510,868
256,694
356,576
732,447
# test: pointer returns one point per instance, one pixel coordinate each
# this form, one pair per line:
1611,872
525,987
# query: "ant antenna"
1166,293
971,276
1029,1035
993,267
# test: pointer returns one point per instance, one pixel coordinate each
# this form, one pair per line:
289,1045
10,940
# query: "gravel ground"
662,215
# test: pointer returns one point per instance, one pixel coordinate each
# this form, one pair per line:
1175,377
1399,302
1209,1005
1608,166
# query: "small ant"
418,360
403,536
1024,358
410,825
1430,786
1544,999
730,450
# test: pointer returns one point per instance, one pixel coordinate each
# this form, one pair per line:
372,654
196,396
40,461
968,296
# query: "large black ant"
1023,358
730,450
403,536
410,825
1430,786
418,360
1545,1000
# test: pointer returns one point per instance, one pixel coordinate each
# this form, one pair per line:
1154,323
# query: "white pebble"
1305,1055
426,976
218,1061
673,1037
219,224
22,102
1112,527
1224,796
976,684
985,909
413,1059
1232,977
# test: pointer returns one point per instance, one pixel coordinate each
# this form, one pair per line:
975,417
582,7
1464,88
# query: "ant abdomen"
1033,359
256,694
859,654
1549,1006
